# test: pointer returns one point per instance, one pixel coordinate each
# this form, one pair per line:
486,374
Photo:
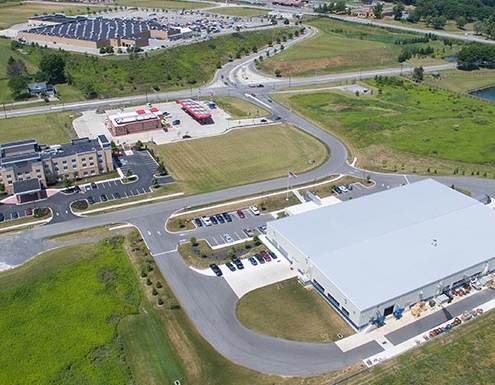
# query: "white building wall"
360,317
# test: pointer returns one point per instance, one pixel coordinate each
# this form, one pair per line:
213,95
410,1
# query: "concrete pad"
254,277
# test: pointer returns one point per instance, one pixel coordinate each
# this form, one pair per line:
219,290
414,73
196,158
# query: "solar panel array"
98,29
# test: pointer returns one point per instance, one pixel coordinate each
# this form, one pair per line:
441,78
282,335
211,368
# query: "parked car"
176,122
14,215
29,211
241,214
238,263
272,254
259,258
265,256
198,222
343,189
77,188
216,270
206,221
278,118
2,218
262,228
253,260
254,210
348,186
228,238
91,200
213,220
227,217
263,121
103,198
219,218
231,266
116,195
337,190
248,232
94,185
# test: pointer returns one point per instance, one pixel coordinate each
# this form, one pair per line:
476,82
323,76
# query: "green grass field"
240,157
46,128
412,120
292,313
239,108
343,46
239,11
60,314
463,81
13,13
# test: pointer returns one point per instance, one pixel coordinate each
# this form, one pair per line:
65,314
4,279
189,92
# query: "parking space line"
215,240
237,235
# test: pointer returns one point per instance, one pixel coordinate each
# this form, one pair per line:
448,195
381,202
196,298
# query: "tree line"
476,56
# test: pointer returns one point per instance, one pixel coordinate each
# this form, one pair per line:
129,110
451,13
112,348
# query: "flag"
292,175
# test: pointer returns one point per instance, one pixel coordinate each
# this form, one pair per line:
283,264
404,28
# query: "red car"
29,211
241,214
265,256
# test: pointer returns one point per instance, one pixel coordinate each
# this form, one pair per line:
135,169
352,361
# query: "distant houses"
42,88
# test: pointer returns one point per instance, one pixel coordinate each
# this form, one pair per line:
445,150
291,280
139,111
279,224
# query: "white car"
254,210
344,189
206,221
228,238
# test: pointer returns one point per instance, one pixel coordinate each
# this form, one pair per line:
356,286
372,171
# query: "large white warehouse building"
390,250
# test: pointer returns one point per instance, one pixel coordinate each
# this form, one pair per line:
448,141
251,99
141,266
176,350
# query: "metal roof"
197,110
388,244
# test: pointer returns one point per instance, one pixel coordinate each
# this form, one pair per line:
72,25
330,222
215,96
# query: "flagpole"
287,191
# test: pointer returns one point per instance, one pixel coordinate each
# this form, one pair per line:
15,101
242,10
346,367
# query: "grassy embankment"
345,46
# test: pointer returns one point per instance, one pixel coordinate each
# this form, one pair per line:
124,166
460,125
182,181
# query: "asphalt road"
209,301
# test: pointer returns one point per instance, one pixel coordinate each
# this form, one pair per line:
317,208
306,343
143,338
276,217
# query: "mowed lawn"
287,310
409,118
239,108
241,156
46,128
59,322
340,47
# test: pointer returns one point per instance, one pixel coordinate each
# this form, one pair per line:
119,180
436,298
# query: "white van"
254,210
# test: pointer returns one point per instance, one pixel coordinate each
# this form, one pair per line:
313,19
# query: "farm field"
344,46
293,313
240,157
401,126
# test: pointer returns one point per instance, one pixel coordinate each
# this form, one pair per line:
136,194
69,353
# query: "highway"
209,301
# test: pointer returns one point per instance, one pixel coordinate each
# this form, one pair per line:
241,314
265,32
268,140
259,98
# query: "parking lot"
243,225
252,276
91,124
